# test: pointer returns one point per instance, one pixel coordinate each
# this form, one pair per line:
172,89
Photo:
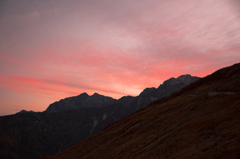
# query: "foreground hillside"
200,121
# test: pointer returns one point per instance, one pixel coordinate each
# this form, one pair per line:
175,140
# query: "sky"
53,49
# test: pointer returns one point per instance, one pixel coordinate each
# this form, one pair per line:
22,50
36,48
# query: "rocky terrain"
200,121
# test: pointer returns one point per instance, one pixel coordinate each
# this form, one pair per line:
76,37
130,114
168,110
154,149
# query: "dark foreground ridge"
30,135
200,121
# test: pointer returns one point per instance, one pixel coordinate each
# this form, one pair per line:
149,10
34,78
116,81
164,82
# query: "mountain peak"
187,79
25,111
96,94
81,101
184,76
84,94
147,91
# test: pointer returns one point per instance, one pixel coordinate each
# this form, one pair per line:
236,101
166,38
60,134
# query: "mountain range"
199,121
73,119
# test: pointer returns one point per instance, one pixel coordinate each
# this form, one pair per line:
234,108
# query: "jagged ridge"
200,121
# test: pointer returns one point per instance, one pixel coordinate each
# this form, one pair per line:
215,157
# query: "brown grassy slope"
200,121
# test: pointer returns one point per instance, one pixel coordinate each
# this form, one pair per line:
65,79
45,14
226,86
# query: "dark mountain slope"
200,121
34,135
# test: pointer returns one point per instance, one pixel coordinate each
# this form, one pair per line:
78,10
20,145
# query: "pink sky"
54,49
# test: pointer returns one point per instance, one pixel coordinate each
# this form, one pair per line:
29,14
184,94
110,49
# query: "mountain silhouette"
146,97
81,101
73,119
200,121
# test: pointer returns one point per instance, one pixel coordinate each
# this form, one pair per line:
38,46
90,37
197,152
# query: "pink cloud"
79,71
